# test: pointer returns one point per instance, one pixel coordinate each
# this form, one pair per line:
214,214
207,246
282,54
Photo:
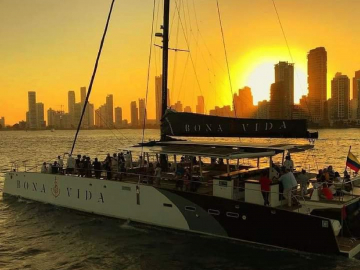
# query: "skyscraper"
40,122
284,72
200,107
177,106
340,97
118,117
134,114
317,73
110,110
356,84
158,97
277,107
32,120
82,94
142,112
71,106
187,109
243,102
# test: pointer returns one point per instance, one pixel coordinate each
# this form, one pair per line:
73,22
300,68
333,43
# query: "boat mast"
165,48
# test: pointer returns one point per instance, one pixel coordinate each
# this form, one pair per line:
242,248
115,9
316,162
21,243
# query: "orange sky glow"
50,47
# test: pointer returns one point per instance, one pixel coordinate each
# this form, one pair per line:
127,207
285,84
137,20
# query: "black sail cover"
199,125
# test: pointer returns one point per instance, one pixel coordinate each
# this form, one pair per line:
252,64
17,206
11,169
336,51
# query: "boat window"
232,214
214,212
167,205
126,188
190,208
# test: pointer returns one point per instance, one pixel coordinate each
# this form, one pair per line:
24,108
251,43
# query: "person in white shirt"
44,168
60,163
70,165
289,183
303,181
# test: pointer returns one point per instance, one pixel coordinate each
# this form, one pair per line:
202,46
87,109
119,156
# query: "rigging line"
226,57
156,23
175,61
93,75
192,61
148,79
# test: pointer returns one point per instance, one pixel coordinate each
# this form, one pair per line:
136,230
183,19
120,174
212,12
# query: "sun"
256,70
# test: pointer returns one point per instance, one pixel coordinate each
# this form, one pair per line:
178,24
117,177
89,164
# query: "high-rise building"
100,116
90,119
187,109
282,92
356,84
277,107
177,106
317,83
340,97
263,110
40,116
2,122
110,110
134,114
118,117
158,97
200,107
142,111
71,107
224,111
358,99
82,94
32,119
243,103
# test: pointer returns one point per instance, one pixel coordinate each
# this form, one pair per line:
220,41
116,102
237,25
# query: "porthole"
244,217
214,212
232,215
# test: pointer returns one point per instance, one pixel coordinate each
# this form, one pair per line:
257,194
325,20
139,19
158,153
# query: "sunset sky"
50,46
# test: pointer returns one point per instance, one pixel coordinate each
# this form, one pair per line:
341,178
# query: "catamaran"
221,199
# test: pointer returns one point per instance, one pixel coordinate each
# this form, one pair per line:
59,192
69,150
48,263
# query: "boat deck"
349,247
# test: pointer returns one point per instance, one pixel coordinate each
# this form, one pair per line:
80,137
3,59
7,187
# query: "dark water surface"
41,236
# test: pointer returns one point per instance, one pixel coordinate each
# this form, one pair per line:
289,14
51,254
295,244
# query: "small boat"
220,198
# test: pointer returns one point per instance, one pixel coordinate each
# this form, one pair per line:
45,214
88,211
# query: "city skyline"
50,57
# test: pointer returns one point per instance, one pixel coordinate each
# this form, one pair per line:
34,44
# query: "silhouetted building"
177,106
356,84
224,111
142,111
40,122
71,107
284,72
58,119
263,109
244,103
2,122
187,109
82,94
200,107
317,83
278,107
134,114
100,117
158,97
118,117
340,97
31,120
110,110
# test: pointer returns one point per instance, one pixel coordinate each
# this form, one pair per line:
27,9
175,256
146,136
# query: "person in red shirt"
265,187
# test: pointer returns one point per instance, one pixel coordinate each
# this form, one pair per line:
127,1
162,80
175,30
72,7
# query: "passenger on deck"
49,168
326,175
55,168
303,180
97,168
70,165
157,174
77,165
83,165
114,166
212,161
289,182
320,177
127,158
44,168
88,167
60,163
339,185
265,187
187,180
179,174
331,172
289,164
221,161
